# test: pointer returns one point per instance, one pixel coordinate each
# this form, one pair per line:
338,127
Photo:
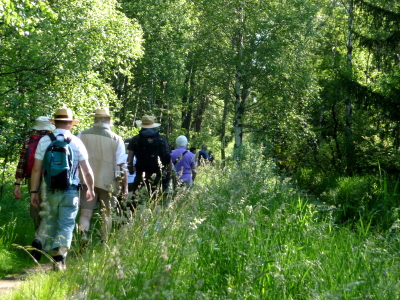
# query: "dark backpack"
57,163
151,148
30,154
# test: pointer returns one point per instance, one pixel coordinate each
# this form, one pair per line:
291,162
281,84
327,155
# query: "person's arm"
194,171
88,177
17,188
35,182
124,182
20,173
169,168
131,166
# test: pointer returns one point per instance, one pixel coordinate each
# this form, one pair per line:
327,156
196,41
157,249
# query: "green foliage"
16,227
242,232
67,60
24,15
8,235
366,198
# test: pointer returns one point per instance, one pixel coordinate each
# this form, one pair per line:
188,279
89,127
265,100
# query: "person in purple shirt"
184,162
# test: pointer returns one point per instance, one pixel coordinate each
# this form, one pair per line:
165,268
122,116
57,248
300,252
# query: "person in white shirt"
63,204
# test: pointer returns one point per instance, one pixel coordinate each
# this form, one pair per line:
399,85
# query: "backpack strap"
180,157
52,136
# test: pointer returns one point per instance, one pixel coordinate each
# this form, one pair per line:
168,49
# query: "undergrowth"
241,233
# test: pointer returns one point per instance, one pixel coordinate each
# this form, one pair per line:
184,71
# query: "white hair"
181,141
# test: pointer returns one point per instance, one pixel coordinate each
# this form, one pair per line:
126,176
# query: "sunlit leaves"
24,15
68,59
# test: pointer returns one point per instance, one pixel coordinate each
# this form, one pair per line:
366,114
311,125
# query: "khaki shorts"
101,196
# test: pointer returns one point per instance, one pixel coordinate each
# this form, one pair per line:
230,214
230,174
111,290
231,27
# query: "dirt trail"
13,281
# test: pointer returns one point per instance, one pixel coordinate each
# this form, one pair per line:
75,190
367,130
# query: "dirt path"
13,281
8,285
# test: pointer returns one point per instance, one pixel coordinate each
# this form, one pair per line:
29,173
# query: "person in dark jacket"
153,161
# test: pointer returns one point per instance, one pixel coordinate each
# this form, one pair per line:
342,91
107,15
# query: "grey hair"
102,120
181,141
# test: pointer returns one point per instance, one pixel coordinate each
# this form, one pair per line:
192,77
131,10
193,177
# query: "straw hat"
101,113
64,114
147,122
43,123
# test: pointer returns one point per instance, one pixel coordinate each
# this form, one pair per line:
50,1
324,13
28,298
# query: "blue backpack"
58,163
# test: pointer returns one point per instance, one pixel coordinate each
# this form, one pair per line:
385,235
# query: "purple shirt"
184,165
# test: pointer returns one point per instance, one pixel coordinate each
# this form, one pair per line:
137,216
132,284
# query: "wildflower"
120,273
193,225
249,208
164,251
167,268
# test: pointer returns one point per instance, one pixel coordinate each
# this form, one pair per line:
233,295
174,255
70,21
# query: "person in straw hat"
42,127
107,158
62,204
153,161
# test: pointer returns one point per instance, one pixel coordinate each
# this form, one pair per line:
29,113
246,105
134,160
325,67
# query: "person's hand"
17,192
131,169
90,195
35,200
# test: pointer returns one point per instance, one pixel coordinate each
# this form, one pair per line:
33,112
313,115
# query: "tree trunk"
188,98
201,109
223,127
350,157
239,94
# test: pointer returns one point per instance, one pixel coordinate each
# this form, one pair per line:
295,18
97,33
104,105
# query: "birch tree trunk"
239,101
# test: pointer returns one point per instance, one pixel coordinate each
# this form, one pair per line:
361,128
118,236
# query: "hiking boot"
59,263
37,252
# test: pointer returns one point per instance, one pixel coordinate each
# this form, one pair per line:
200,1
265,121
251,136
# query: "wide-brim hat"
147,122
101,113
43,123
64,114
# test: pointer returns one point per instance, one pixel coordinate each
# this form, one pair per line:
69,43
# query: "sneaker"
59,263
37,251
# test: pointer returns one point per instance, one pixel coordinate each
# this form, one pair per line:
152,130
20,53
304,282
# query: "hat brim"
101,116
47,127
139,123
74,122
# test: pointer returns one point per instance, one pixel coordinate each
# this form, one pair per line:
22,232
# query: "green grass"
16,227
242,233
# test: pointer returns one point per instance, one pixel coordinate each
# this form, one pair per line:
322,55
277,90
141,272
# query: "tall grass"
373,198
241,233
16,227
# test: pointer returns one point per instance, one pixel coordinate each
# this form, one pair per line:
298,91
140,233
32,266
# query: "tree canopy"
315,84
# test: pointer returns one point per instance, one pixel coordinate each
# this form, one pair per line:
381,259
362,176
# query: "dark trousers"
155,182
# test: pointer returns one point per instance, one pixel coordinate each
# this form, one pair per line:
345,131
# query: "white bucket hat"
43,123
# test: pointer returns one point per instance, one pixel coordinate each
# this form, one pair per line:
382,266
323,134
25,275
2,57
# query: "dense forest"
315,84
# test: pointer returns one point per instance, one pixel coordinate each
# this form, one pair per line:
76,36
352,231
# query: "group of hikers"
96,169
